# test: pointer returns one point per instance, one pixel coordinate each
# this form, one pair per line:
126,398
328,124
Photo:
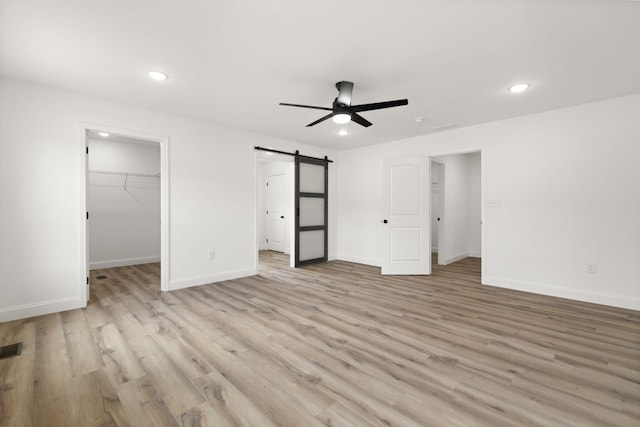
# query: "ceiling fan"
342,110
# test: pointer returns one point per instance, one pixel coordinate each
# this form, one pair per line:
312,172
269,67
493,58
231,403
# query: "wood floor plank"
143,404
84,356
17,374
229,404
120,364
168,380
100,402
54,395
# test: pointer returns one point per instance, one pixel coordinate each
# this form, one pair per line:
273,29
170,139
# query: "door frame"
261,155
165,253
483,205
441,196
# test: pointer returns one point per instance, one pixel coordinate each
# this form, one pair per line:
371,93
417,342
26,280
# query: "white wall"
566,183
124,226
212,195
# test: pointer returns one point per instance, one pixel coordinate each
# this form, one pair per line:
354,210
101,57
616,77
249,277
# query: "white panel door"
276,205
407,237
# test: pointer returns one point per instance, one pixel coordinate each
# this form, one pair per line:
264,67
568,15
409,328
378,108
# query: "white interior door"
407,238
275,201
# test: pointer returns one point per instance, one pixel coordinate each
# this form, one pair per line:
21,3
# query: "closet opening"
126,206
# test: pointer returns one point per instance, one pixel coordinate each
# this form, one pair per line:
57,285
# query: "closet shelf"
143,175
126,175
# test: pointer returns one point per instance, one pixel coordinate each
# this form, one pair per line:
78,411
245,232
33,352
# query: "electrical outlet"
212,254
495,204
591,268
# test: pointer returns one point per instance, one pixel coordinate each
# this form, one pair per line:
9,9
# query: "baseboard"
455,258
358,260
41,308
262,247
475,254
603,298
205,280
123,262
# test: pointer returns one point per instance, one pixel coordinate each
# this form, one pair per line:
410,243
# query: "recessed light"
343,132
520,87
103,134
158,75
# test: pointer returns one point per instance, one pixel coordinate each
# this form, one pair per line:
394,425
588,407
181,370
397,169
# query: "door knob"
384,221
282,216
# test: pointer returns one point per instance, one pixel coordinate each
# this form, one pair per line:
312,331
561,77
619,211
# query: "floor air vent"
101,277
10,350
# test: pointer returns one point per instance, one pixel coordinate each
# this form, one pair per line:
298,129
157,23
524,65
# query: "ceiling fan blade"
306,106
345,89
360,120
322,119
378,105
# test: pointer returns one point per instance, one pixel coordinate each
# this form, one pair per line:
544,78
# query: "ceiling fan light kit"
343,112
342,118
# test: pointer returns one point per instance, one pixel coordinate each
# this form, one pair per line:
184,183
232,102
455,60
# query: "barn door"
311,208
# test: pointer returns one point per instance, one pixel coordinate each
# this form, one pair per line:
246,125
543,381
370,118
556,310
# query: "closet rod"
144,175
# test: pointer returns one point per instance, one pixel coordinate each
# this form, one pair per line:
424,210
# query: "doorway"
274,204
126,201
456,207
407,201
276,201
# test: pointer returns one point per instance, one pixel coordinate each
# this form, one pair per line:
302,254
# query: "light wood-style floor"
329,345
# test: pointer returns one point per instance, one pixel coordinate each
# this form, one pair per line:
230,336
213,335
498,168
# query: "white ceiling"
233,61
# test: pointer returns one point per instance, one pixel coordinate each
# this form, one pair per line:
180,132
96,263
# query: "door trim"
440,224
165,249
